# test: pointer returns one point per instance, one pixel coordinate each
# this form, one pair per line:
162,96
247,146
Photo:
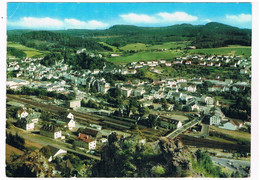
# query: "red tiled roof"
83,137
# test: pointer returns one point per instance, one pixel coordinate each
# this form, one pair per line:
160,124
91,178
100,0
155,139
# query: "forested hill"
202,36
48,40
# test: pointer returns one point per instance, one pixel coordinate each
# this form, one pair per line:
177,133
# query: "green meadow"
170,54
30,52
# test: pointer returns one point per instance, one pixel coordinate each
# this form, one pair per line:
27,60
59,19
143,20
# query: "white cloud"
177,16
32,22
162,17
138,18
50,23
76,24
207,20
240,18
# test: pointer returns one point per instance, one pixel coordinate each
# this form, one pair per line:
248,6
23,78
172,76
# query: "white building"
126,91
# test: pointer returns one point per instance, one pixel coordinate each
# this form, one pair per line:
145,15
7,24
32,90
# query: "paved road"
188,125
234,165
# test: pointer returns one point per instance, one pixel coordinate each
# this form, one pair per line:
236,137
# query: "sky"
53,16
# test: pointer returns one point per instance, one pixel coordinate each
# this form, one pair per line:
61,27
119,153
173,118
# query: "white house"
22,114
126,92
208,100
139,91
85,141
54,152
213,119
25,123
50,131
195,107
192,88
74,103
70,116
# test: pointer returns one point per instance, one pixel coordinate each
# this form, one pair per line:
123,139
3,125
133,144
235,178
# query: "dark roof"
88,131
50,128
24,121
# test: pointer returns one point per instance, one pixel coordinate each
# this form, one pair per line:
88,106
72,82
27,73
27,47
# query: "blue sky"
104,15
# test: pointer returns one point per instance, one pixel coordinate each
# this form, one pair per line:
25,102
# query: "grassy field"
30,52
230,50
167,45
170,54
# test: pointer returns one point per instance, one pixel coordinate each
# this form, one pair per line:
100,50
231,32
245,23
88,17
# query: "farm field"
30,52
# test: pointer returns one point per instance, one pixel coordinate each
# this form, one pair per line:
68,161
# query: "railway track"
200,142
116,123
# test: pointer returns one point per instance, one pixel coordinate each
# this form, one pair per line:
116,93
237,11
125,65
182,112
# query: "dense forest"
47,40
210,35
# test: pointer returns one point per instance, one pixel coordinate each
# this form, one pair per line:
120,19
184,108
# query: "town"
75,111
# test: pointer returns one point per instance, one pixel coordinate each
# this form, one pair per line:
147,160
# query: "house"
96,71
168,64
126,91
155,62
243,71
141,62
208,100
202,63
129,71
33,117
22,113
192,88
74,103
103,87
218,64
70,123
54,152
231,125
50,131
85,141
70,116
212,119
210,64
25,123
178,62
139,91
94,133
162,61
188,62
195,107
115,55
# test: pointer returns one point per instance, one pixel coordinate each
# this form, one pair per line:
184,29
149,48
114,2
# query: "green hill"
211,35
